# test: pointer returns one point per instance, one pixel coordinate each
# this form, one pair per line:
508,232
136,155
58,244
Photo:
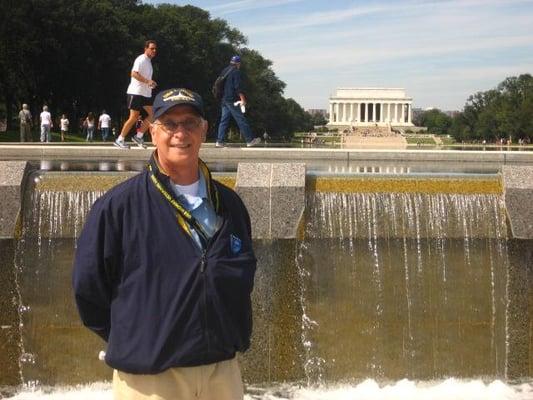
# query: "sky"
440,51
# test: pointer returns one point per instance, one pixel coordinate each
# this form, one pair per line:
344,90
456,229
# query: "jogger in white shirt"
139,95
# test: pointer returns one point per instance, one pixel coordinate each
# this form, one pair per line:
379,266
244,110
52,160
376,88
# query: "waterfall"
382,285
52,339
398,285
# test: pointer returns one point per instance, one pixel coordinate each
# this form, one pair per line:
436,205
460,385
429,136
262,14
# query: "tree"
318,119
75,56
436,121
506,111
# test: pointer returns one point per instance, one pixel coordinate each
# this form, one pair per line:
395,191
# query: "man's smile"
180,145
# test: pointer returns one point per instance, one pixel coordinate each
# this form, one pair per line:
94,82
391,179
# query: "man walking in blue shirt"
234,105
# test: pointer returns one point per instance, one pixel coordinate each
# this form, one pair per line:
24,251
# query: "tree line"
505,112
76,55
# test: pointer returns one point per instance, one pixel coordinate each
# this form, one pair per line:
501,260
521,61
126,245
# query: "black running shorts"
137,102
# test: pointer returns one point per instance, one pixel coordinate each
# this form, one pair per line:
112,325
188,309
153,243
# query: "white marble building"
370,106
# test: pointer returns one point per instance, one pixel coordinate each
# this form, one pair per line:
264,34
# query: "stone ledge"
11,179
518,192
274,194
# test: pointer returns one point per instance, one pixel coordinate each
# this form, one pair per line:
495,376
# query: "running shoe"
121,144
253,142
139,141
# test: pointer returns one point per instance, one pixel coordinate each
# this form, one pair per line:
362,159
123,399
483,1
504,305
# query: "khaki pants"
25,133
218,381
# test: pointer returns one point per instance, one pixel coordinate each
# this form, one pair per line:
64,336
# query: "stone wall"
11,179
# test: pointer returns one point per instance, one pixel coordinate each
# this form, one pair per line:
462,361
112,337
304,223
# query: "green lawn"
14,136
422,140
448,141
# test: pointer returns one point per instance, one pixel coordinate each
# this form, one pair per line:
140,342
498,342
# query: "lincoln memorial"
353,107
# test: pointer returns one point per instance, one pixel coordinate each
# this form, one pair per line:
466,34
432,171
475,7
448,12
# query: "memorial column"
347,113
344,109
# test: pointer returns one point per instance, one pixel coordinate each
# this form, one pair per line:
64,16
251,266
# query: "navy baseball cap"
167,99
235,60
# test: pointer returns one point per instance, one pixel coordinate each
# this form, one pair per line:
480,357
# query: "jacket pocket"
232,280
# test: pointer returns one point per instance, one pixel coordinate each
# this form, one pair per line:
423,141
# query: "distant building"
370,107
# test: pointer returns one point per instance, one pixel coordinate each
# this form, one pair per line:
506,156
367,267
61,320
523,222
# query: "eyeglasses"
171,127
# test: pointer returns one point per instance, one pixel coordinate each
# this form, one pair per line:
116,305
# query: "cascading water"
50,332
399,285
384,286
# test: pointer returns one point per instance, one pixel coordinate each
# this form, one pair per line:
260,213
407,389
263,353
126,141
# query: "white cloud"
339,56
408,9
247,5
291,22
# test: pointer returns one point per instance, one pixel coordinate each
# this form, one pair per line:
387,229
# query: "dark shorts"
137,102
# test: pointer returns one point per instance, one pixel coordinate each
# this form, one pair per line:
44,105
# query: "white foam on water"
450,389
99,390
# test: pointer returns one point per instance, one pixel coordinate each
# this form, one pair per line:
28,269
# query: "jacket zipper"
203,263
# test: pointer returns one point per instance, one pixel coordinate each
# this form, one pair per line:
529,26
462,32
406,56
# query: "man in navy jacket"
164,269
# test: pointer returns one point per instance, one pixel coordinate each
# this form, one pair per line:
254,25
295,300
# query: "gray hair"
45,108
25,106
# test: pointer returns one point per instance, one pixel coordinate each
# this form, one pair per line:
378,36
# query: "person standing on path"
90,125
26,124
46,125
139,95
64,123
104,125
233,104
164,269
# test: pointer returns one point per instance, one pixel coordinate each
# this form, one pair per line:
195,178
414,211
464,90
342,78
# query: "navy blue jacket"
232,85
146,288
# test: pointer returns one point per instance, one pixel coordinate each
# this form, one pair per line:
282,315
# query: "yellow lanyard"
183,214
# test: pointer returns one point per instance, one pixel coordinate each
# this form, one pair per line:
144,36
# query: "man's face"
178,135
151,50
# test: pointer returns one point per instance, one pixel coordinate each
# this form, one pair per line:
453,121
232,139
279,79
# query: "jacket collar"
164,178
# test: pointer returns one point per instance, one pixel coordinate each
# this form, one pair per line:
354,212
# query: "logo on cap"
181,95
